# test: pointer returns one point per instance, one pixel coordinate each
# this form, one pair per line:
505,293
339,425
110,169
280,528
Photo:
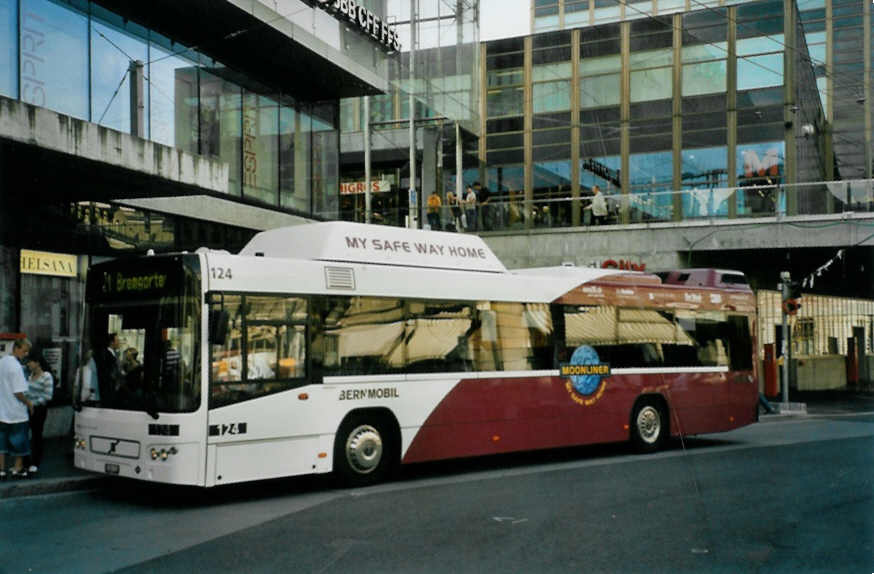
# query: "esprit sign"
365,20
353,187
44,263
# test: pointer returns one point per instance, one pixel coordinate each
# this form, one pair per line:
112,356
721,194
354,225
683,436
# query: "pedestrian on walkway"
455,210
598,206
434,205
15,409
39,391
470,209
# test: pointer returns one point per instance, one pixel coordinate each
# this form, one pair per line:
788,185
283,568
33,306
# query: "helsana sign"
364,20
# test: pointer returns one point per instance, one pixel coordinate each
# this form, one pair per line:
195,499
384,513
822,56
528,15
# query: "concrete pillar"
529,136
625,116
430,152
10,286
575,128
677,118
137,101
731,109
790,104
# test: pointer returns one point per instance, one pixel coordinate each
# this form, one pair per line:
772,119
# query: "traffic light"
792,298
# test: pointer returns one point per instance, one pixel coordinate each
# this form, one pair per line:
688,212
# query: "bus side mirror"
218,326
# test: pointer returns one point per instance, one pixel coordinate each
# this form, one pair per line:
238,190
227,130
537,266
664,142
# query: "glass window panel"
510,77
599,91
578,17
551,72
505,102
9,48
600,65
704,172
651,59
606,10
703,52
760,45
817,53
759,164
260,147
651,185
173,98
552,96
111,52
54,57
220,124
325,154
670,6
654,84
601,171
294,149
759,71
546,23
704,78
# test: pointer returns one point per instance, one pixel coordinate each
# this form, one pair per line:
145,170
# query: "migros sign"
364,20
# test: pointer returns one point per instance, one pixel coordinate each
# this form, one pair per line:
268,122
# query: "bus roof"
343,241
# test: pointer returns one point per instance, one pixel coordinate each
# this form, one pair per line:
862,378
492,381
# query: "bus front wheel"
649,425
362,451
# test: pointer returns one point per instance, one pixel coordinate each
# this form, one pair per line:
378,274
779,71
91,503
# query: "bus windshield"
142,329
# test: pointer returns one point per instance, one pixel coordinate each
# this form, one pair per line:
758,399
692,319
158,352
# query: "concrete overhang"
46,157
262,42
65,153
217,210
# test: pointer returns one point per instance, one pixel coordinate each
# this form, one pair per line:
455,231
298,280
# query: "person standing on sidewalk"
39,392
15,408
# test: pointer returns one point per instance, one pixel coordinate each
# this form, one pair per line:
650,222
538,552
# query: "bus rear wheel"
362,451
649,425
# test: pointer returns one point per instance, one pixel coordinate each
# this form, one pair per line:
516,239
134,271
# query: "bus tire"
363,450
649,424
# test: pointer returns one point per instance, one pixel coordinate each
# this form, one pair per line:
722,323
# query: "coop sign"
365,20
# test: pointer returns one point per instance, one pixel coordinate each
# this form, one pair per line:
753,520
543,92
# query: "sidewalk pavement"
57,474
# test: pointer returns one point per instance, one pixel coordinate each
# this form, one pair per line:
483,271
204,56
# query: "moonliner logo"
588,376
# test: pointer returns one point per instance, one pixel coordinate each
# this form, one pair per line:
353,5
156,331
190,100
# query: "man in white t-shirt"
15,409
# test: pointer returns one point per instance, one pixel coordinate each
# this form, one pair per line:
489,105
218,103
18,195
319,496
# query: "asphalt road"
789,496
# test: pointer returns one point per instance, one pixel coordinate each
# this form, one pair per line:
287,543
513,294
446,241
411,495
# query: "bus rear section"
138,393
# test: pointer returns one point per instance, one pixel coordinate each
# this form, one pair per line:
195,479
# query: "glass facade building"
445,79
123,87
831,47
74,58
664,97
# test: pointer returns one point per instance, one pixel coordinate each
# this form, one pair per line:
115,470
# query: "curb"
37,486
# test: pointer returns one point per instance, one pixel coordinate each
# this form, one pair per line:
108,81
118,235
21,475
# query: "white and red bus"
340,347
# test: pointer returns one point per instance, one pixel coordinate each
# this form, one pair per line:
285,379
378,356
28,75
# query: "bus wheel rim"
649,424
364,449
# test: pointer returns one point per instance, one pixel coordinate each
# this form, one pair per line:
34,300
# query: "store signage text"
44,263
365,20
355,187
623,264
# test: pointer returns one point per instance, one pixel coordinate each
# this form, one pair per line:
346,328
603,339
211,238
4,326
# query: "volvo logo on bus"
587,374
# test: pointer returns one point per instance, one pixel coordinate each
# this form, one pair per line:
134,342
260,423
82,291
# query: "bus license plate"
111,468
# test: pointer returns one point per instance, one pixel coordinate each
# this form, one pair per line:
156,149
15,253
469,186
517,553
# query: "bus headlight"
162,453
79,443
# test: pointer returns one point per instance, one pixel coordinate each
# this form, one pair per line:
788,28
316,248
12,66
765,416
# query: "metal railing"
510,211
